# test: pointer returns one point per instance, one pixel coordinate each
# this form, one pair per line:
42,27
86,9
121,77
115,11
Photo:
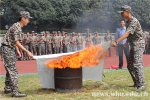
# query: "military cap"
47,32
125,8
25,14
43,32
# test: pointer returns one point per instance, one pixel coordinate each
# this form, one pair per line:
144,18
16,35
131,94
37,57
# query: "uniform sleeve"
132,27
16,33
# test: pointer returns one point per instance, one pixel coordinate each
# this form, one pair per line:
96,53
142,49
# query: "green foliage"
99,14
115,82
40,10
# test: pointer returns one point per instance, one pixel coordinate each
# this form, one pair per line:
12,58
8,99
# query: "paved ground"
25,67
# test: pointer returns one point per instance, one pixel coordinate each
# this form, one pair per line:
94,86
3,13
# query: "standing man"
79,41
56,43
88,41
21,41
96,39
73,42
33,42
66,42
137,44
9,43
48,42
41,42
61,39
120,47
108,38
25,44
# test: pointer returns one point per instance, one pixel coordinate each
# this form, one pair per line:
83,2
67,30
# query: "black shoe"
19,95
118,68
7,91
141,88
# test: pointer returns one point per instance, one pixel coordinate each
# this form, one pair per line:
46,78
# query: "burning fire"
90,56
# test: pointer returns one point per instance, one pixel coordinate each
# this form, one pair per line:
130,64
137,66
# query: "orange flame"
90,56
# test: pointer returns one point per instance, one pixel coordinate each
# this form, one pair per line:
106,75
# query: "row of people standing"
44,43
147,43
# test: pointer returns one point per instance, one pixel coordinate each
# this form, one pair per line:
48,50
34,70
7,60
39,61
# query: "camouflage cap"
25,14
125,8
47,32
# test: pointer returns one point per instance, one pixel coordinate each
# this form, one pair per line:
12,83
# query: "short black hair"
122,20
20,18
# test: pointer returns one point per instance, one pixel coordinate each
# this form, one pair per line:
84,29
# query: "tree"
80,14
42,11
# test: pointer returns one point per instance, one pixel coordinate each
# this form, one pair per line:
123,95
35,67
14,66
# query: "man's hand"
18,54
114,44
29,54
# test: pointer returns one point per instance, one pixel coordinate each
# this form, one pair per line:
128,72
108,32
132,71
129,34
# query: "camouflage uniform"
21,41
108,38
73,46
48,45
137,44
9,57
79,41
96,40
61,45
66,42
88,41
33,41
25,42
56,44
42,45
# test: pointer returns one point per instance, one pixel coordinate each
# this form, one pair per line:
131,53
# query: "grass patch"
114,83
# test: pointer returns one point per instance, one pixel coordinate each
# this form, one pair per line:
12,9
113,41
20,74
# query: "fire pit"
68,80
64,79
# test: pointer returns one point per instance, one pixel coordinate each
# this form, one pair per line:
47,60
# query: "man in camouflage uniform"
88,40
60,40
33,42
61,44
79,41
66,42
108,38
9,43
41,43
48,42
96,39
21,41
25,42
56,43
27,37
73,45
137,44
